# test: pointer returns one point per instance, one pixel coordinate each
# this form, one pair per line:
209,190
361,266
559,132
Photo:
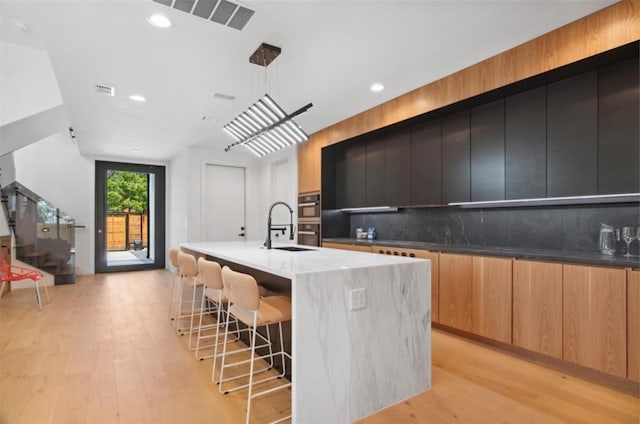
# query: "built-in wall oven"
309,219
309,234
309,206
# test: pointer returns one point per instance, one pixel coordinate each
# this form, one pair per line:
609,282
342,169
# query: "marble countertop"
289,264
520,253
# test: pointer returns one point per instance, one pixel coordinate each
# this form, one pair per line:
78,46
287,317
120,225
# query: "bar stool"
247,306
189,271
210,275
176,283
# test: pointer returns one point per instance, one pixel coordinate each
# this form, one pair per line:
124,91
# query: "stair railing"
45,236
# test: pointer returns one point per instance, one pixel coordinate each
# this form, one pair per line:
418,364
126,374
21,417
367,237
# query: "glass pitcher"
607,240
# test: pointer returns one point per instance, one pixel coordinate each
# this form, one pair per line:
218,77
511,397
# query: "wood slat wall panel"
612,27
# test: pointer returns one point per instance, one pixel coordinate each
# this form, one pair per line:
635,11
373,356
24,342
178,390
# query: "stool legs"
251,395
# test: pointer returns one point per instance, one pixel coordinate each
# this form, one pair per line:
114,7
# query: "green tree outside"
127,191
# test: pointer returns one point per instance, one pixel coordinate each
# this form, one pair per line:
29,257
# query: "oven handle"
308,204
309,233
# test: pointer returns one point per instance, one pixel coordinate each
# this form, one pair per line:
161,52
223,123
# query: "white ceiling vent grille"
109,90
224,12
224,96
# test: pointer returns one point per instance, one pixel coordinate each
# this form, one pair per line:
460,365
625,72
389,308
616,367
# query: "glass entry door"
130,217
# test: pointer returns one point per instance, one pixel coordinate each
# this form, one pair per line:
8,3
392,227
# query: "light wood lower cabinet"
633,325
344,246
456,291
475,295
434,257
491,298
361,248
594,318
583,314
537,307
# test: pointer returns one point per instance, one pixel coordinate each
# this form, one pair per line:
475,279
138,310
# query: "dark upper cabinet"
579,135
350,169
426,164
375,172
526,144
456,158
572,130
397,154
618,134
328,178
487,151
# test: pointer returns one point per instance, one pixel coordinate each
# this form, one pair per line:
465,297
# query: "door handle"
241,234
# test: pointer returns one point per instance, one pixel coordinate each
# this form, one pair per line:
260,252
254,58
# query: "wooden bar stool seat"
253,311
210,275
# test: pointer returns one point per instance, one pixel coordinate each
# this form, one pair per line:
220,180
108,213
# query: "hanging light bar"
264,127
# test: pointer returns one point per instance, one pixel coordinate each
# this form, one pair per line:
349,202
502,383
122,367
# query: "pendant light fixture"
265,127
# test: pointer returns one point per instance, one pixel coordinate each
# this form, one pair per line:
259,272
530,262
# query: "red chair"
9,273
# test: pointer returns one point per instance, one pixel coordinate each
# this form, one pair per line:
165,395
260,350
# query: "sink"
293,248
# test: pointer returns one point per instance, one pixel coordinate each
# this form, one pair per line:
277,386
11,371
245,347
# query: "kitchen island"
347,363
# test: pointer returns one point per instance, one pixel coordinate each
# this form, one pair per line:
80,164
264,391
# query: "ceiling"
332,51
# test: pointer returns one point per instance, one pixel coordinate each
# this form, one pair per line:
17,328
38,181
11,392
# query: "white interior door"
224,203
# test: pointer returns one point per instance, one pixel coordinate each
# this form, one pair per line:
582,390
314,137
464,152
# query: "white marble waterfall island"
347,364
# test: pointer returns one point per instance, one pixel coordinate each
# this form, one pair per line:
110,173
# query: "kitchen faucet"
282,228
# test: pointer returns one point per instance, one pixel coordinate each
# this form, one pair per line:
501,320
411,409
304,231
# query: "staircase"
45,236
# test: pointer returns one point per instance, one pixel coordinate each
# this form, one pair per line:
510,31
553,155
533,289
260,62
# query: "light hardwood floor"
103,351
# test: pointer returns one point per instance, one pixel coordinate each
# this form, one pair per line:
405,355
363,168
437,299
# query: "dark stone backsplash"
567,228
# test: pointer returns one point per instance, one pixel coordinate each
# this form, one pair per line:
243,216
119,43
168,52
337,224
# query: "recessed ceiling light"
21,25
376,87
159,21
138,98
136,150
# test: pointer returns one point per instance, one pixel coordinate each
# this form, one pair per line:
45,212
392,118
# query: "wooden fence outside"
126,230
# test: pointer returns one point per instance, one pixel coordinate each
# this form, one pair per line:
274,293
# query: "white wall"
27,82
177,200
54,169
186,190
7,176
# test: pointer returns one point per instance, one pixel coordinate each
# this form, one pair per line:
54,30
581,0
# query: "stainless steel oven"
309,207
309,234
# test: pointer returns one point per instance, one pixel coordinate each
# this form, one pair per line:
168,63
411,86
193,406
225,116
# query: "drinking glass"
628,235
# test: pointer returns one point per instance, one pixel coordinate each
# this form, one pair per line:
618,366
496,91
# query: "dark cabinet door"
456,156
618,134
376,172
350,176
572,129
328,178
397,168
487,151
526,144
426,164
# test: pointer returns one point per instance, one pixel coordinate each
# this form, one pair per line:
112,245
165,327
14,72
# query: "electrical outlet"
357,299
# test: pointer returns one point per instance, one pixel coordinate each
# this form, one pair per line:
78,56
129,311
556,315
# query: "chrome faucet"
282,228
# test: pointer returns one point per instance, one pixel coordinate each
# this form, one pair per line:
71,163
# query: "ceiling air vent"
224,12
109,90
224,96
